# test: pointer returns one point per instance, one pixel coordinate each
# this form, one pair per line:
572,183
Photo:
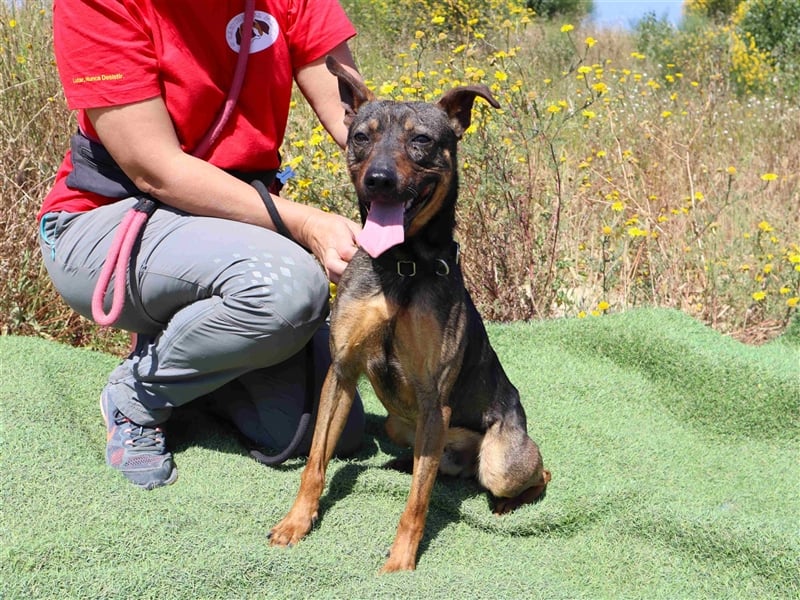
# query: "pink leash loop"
119,254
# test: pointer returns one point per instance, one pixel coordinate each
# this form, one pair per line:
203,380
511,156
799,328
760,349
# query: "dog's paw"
290,530
397,563
533,494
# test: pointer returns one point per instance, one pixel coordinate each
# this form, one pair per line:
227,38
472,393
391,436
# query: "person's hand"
332,239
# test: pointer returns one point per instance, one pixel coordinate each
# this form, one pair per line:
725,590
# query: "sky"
625,13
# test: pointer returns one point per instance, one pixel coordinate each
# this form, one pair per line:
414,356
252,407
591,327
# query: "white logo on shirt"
265,32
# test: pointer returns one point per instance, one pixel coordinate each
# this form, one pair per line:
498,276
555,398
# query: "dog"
403,317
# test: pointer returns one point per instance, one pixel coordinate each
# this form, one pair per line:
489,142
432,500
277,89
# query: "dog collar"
440,266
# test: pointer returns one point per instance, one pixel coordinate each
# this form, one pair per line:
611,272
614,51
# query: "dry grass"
606,181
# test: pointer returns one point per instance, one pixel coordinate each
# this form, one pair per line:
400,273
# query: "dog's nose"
380,179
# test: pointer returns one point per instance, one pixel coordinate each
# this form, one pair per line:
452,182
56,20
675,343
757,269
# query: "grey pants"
211,300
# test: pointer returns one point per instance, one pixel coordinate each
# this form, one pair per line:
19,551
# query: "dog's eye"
421,139
360,138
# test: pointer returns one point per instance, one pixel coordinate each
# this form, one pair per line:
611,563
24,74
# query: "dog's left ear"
457,103
352,90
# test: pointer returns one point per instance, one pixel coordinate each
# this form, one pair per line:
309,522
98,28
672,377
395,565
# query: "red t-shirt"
112,52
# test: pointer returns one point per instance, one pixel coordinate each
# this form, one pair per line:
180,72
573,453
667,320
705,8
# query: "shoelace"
142,437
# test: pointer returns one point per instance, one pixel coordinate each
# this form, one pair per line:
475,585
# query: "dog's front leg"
428,447
335,403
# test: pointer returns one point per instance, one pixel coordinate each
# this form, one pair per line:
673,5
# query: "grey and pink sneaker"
137,451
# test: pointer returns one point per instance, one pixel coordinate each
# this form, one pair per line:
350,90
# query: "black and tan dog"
403,317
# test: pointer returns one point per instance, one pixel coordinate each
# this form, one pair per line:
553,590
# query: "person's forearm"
194,186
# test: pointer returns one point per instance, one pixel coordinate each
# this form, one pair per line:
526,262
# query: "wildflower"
600,153
731,170
500,75
765,227
459,49
769,177
793,302
567,28
12,23
600,87
553,108
606,230
582,314
767,268
584,70
784,291
590,41
419,34
438,20
618,206
603,306
759,296
666,114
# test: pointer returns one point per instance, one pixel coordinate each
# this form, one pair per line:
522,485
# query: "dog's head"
402,157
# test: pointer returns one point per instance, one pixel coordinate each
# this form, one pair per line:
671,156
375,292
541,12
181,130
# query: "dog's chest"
399,348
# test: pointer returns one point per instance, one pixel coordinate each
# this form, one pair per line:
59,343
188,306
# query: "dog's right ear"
352,90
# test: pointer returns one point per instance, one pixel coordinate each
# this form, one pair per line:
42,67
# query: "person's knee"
292,289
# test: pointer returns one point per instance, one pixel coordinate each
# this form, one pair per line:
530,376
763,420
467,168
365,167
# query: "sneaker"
138,451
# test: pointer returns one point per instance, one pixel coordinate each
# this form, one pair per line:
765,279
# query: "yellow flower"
768,268
437,20
582,315
792,302
765,227
590,41
759,296
459,49
618,206
12,23
553,108
666,114
769,177
500,76
731,170
606,230
584,70
600,87
567,28
603,305
784,290
419,34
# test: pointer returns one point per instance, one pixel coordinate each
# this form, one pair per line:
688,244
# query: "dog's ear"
352,90
457,103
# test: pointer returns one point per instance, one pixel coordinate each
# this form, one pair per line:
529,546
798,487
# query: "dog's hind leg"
510,466
335,402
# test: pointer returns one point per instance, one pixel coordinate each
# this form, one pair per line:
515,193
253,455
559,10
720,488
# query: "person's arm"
141,138
321,89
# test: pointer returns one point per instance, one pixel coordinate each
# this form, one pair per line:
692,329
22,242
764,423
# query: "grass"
609,179
673,451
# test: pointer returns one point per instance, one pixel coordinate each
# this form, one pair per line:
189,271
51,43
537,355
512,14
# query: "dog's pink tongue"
383,229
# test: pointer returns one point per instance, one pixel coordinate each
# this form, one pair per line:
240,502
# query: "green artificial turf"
674,453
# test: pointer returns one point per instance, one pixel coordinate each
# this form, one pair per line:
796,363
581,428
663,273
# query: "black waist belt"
94,170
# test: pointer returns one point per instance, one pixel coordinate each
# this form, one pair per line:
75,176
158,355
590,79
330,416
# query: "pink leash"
119,254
